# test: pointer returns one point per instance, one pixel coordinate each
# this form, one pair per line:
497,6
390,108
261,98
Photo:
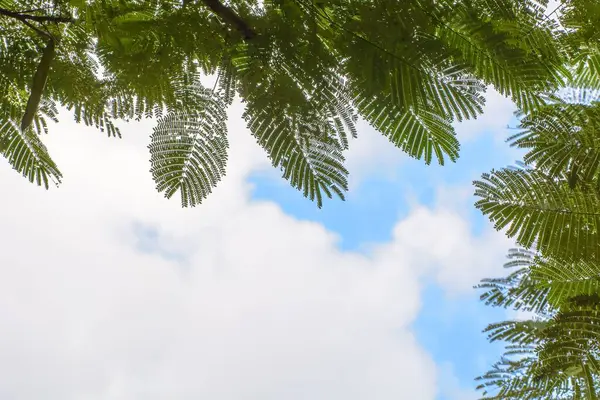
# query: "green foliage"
580,19
551,208
563,139
555,355
305,70
28,155
539,210
188,150
519,289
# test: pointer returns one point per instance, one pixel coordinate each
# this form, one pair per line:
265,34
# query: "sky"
109,291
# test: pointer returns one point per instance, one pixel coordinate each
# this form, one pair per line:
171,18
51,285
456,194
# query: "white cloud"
372,154
498,113
450,386
441,242
256,305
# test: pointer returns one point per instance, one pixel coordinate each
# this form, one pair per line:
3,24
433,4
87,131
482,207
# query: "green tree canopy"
556,354
305,70
551,207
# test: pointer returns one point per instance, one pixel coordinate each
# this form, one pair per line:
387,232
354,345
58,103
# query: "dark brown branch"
37,18
230,17
40,32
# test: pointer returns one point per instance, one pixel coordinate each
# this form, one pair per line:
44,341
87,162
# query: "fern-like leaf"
563,140
28,155
311,160
562,280
188,151
538,210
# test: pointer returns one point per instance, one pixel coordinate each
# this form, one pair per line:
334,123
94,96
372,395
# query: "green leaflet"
589,380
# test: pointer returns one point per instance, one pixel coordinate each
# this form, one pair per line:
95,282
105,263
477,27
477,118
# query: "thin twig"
38,30
545,18
38,18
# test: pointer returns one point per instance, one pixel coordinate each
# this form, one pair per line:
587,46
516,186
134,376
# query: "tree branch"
39,31
231,18
37,18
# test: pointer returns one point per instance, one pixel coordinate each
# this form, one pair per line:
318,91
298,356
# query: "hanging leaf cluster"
305,70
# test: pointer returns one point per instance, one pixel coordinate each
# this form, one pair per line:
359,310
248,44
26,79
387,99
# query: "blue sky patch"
449,328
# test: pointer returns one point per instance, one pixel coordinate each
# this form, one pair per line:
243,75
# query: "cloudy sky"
109,291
